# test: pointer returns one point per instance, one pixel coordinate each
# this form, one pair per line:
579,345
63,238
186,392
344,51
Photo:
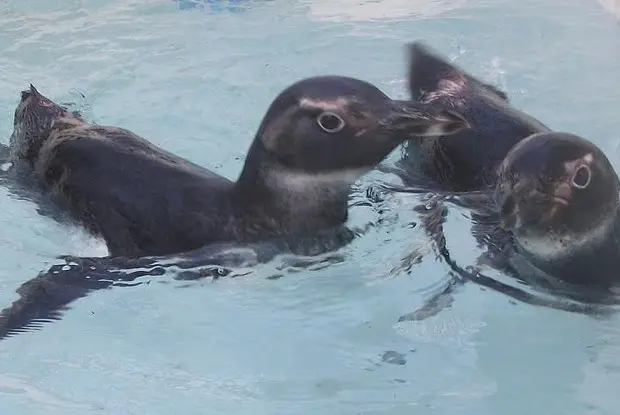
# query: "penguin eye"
330,122
581,177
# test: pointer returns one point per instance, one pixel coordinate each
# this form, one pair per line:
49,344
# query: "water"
195,80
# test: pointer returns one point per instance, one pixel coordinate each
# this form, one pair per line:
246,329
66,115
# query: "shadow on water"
45,297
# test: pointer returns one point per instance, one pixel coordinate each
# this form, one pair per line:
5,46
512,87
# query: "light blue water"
196,81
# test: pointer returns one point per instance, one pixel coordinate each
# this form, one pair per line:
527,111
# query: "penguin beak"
562,194
416,119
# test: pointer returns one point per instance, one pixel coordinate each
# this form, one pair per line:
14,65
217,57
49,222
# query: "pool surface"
196,78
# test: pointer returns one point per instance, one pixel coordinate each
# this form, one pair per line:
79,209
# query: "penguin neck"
272,199
594,263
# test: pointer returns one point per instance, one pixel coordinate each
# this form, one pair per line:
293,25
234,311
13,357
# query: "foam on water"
196,79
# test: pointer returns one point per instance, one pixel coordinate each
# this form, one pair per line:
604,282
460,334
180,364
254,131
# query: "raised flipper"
426,70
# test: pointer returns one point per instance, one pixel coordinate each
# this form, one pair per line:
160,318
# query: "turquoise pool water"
196,80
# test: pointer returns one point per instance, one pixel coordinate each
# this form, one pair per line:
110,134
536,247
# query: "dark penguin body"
559,197
316,139
467,160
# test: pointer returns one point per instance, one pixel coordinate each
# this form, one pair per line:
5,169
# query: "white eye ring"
581,177
326,121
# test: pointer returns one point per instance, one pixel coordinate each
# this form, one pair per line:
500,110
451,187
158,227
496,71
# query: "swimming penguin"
317,138
556,228
558,196
467,160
